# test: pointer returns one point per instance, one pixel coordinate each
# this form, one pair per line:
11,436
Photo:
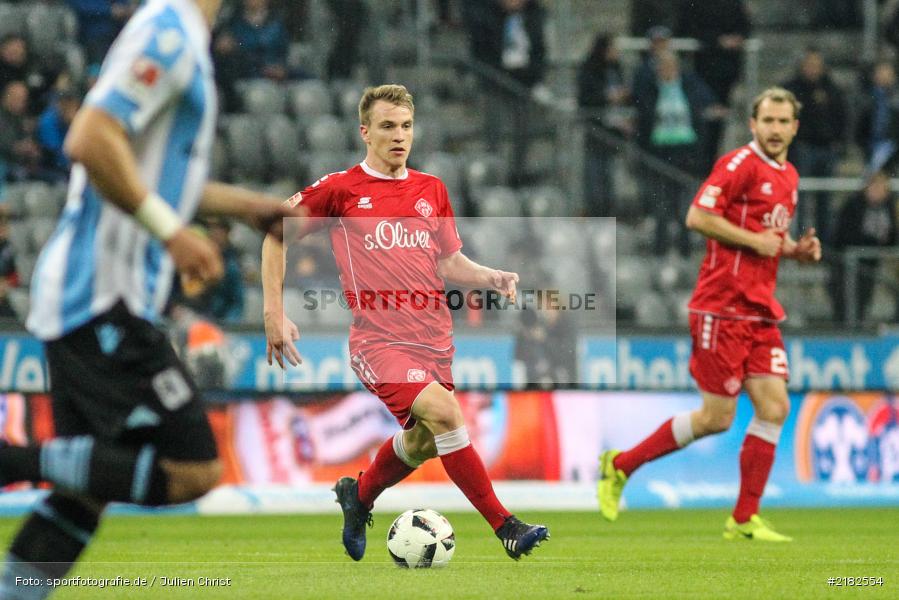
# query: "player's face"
774,128
388,137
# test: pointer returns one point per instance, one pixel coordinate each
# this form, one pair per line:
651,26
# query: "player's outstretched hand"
768,242
268,216
808,247
280,335
196,258
504,282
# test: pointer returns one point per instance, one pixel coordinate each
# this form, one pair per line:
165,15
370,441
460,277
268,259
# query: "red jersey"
387,235
754,192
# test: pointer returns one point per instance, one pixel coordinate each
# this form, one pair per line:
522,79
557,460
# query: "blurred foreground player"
744,209
394,236
130,423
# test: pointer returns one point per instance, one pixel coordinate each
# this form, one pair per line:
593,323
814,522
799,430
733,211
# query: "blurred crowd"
672,110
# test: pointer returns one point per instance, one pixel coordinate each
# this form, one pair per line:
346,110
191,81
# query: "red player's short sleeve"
321,199
447,233
725,183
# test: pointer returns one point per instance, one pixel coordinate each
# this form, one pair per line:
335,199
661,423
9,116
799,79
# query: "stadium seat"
246,152
309,99
320,164
12,18
41,230
547,201
678,305
296,311
348,94
561,239
20,238
219,165
283,188
486,170
245,239
14,197
498,201
334,316
430,136
327,133
261,96
25,267
252,306
18,299
632,278
446,167
651,311
283,140
49,25
75,59
42,201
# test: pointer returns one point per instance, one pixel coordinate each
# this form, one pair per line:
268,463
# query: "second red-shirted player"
744,210
395,242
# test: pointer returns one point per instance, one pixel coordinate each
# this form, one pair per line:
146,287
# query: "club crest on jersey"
423,208
415,375
778,218
767,188
710,196
365,203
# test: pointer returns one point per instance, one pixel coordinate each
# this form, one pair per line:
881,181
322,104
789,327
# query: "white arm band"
158,217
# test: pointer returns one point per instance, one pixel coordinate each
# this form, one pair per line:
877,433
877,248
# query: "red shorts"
397,373
727,351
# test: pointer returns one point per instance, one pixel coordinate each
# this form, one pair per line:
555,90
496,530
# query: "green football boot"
610,485
756,528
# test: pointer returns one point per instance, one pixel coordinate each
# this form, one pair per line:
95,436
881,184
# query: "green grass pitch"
652,554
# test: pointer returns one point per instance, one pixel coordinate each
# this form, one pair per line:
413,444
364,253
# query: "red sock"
659,443
385,471
467,471
756,458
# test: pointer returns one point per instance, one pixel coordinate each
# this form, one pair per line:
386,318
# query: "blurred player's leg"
85,465
49,543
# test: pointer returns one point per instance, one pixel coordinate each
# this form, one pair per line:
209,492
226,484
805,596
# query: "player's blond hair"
393,93
776,94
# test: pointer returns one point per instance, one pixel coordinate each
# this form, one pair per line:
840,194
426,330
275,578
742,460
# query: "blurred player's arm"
765,243
806,249
98,141
461,270
263,212
280,332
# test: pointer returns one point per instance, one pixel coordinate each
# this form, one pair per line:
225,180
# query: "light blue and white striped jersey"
157,80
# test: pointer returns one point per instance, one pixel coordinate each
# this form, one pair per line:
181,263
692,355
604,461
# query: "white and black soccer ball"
420,539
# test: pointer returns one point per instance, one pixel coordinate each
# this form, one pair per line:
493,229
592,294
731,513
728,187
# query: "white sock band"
770,432
451,441
400,450
682,428
158,217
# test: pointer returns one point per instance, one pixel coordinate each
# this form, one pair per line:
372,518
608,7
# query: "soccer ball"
420,539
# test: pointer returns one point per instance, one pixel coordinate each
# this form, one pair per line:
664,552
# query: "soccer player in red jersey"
393,232
744,210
